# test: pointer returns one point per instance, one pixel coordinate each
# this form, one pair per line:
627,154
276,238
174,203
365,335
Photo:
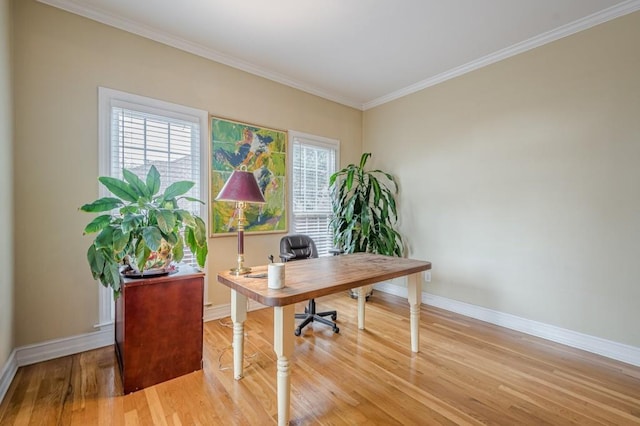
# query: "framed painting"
263,152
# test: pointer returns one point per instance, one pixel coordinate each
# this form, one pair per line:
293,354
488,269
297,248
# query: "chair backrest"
299,245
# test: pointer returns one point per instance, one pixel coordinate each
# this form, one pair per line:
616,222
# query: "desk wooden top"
311,278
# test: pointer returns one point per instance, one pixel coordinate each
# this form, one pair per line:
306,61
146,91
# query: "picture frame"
263,151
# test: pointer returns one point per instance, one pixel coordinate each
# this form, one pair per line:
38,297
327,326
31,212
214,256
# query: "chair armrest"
287,256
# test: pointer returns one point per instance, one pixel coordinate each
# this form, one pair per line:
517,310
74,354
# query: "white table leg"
283,327
238,316
414,289
362,298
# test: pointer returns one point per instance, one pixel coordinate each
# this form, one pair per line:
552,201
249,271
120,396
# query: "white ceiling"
360,53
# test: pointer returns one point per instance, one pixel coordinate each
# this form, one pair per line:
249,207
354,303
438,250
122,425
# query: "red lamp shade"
241,186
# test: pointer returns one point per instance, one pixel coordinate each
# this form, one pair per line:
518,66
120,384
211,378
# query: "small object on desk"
276,275
271,258
263,275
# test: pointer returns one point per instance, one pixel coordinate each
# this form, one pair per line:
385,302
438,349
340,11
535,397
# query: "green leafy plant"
146,225
364,210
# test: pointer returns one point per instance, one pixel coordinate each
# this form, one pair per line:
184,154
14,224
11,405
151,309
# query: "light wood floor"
467,372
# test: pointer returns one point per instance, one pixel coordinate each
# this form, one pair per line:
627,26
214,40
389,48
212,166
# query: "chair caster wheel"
297,331
336,330
334,317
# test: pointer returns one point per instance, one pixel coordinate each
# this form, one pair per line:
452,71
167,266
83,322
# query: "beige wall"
6,183
521,181
60,60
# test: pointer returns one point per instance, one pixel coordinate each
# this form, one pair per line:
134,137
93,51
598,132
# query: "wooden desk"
310,279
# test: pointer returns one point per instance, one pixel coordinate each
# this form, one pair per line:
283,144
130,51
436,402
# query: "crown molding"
582,24
194,48
597,18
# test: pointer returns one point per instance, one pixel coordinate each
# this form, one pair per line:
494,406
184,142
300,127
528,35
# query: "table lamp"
242,188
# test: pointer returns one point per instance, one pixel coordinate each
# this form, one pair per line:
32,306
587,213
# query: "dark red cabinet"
158,328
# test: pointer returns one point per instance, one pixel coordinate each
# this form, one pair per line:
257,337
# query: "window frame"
108,98
313,140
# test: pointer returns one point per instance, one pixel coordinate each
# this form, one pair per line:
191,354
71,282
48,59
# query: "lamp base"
241,270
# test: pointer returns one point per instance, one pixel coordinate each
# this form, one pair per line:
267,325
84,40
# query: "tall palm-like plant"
364,210
142,226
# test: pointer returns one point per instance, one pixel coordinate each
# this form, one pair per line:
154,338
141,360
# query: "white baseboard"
221,311
216,312
396,290
56,348
51,349
596,345
44,351
7,374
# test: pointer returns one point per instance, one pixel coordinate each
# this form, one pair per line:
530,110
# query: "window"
138,132
314,160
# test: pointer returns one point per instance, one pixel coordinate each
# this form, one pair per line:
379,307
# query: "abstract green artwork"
262,151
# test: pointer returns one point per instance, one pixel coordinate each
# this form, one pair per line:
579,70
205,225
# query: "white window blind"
140,140
136,132
139,132
314,161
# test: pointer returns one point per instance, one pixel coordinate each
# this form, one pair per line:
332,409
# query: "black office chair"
299,247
